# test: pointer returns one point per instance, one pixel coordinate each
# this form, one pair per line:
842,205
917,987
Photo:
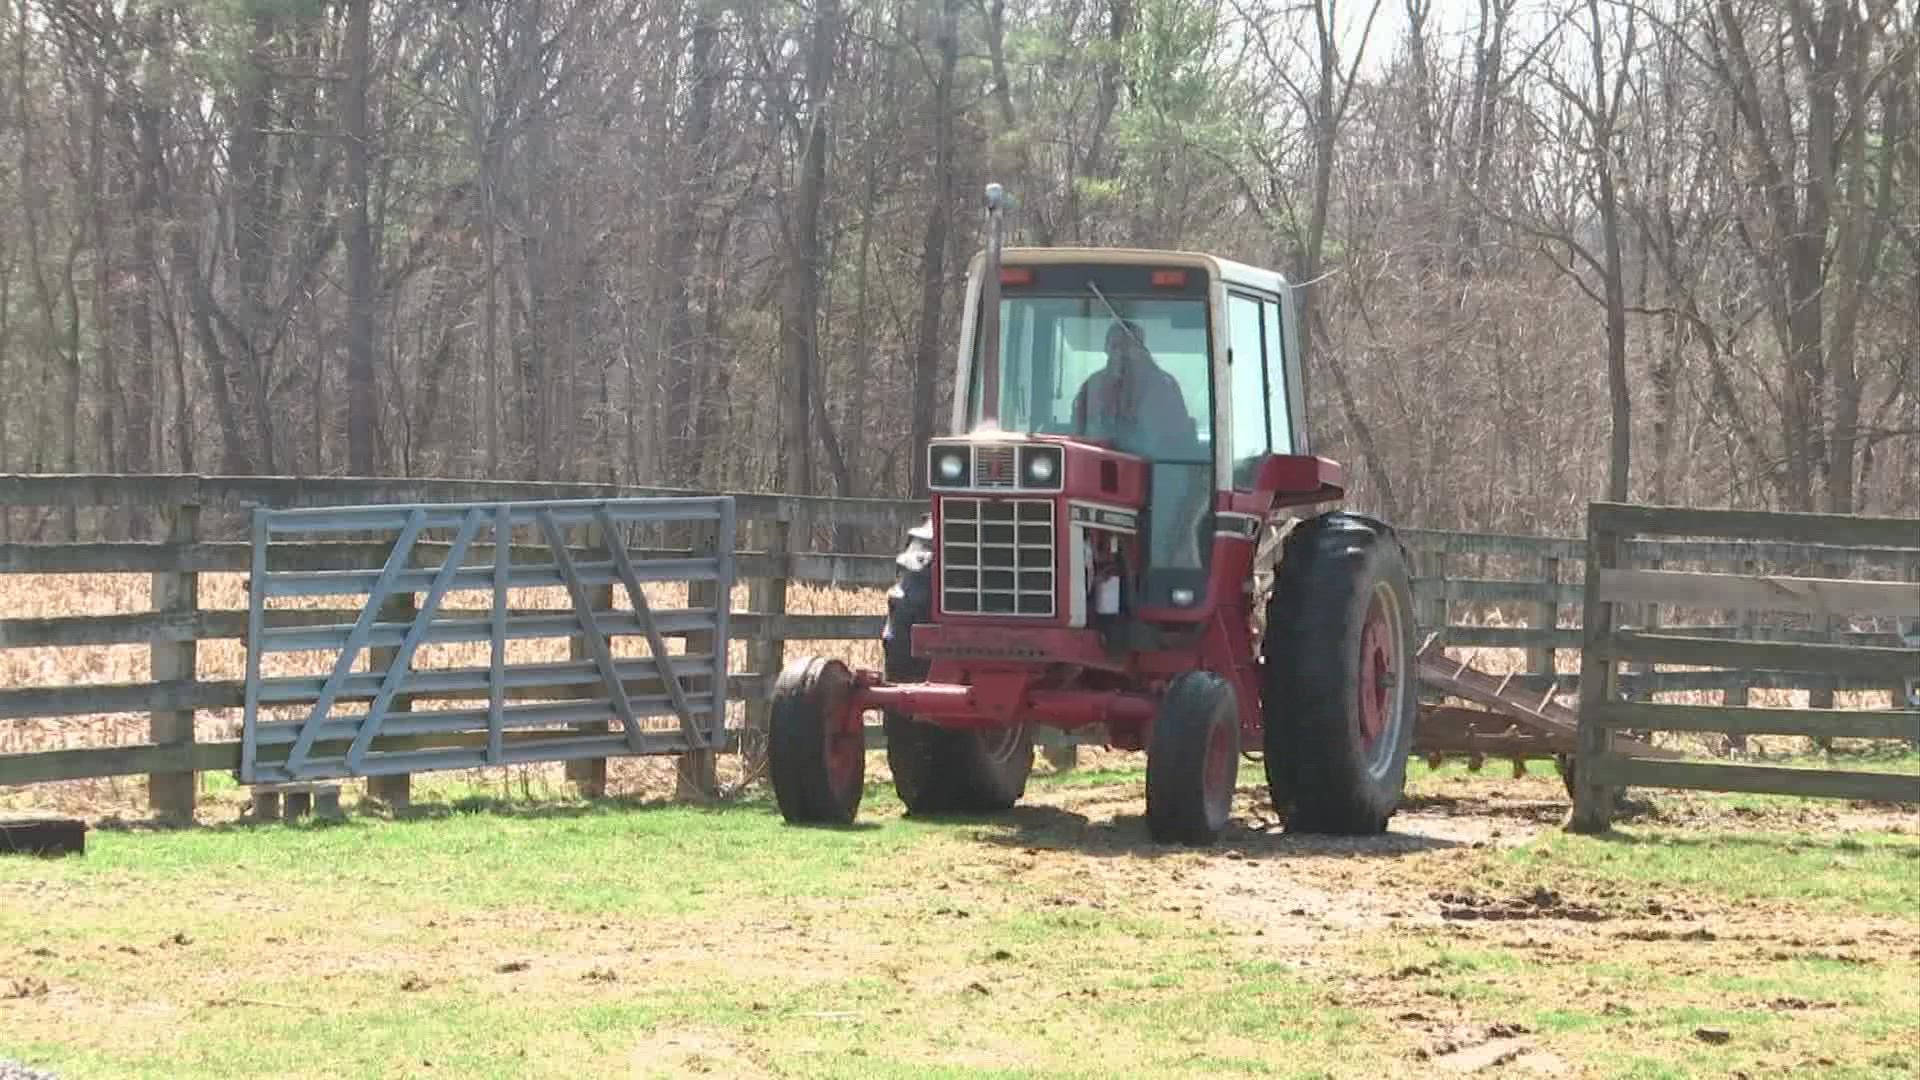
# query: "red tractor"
1114,541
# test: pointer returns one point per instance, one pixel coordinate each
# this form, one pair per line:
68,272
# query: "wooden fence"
1611,636
1473,589
200,520
1527,593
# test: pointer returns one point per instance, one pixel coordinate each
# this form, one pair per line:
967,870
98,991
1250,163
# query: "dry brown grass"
40,596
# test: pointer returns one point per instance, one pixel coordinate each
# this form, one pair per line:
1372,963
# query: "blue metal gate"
631,693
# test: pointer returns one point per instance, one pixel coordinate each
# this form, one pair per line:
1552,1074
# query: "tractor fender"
1275,546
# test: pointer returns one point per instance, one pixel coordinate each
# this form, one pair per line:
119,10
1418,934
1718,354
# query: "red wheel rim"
845,745
1377,675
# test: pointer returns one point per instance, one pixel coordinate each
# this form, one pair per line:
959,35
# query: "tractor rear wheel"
817,758
1341,696
940,770
1193,759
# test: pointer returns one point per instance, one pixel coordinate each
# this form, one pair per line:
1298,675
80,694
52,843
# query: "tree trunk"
855,441
1606,107
360,271
933,249
802,309
109,302
684,223
143,260
1483,122
715,403
251,177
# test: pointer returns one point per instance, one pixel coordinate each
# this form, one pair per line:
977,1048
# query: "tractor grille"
993,467
997,557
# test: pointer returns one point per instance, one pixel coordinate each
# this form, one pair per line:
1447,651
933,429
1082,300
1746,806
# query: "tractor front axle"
997,701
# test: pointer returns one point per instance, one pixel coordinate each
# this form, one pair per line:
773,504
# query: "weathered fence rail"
1613,635
198,526
1462,577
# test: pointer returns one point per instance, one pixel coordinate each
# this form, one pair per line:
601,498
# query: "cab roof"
1225,269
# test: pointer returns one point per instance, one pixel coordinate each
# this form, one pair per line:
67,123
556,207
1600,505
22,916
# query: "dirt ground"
1335,905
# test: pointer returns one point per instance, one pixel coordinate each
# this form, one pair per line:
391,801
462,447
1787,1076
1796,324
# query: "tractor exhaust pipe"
990,314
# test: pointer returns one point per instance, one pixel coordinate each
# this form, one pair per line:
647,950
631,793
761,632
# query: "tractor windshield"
1106,363
1068,366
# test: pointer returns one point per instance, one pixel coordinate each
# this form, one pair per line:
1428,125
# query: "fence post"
1737,695
768,597
1542,660
396,790
1061,749
1820,693
171,795
1592,801
1649,615
1907,694
1434,567
588,775
694,771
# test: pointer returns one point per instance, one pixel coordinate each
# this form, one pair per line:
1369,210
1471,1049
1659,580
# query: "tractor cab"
1139,403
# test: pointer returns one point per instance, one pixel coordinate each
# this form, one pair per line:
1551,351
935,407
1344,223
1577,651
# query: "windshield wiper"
1111,310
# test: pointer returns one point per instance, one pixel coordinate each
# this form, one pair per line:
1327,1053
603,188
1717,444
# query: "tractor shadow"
1038,828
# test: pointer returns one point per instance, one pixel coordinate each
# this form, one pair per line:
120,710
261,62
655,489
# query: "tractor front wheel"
1341,693
1193,759
816,753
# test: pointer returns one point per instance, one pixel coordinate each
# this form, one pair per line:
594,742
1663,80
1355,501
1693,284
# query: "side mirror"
1300,479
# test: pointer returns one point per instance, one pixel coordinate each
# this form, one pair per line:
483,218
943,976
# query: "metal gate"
623,689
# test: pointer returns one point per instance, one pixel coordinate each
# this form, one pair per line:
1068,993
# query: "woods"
1667,251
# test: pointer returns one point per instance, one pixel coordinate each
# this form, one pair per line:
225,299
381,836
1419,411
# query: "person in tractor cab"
1133,403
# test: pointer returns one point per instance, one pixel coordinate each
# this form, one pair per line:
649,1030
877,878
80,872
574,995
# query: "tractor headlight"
1181,597
950,466
1041,467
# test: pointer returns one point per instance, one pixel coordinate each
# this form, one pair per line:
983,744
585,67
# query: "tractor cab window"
1129,370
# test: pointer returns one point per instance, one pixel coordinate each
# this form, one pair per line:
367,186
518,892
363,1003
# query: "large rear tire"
940,770
1341,691
1193,759
817,761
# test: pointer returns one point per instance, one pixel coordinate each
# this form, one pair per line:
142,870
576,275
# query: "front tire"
1341,691
817,760
940,770
1193,759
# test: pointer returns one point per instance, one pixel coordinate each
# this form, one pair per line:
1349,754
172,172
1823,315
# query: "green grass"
387,947
488,937
1877,872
